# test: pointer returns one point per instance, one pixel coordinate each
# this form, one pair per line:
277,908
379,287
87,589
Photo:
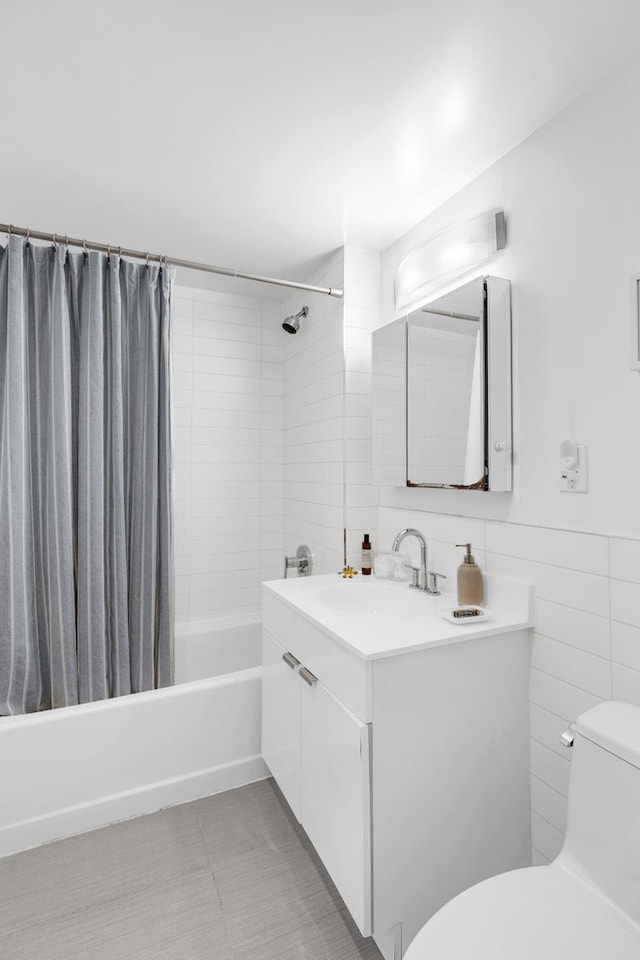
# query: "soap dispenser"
469,579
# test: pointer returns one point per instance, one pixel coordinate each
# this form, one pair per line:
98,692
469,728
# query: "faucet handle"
414,575
432,582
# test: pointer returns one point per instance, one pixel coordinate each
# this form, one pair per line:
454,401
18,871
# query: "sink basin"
375,618
375,600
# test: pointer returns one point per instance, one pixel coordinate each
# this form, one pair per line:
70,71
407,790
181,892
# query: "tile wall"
313,421
389,404
272,434
361,318
227,376
586,640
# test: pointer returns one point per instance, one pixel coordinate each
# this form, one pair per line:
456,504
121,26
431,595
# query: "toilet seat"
537,913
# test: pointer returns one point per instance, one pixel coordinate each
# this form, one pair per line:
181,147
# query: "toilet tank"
602,845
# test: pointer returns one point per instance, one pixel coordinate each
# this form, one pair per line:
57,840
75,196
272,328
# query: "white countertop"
380,618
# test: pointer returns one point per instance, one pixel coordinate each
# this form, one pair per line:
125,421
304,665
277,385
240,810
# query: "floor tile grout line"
215,881
331,933
76,911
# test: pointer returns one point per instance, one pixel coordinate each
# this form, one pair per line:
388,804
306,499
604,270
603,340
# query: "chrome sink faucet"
421,577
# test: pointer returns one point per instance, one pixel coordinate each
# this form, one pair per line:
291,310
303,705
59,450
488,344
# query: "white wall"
228,451
571,197
573,207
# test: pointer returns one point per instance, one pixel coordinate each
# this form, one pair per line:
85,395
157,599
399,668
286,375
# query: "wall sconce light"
448,256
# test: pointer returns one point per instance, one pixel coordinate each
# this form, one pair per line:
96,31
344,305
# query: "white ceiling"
262,134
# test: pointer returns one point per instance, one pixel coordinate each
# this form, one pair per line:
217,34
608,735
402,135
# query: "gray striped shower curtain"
86,606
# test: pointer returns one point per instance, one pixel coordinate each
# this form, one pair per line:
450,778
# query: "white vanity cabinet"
400,744
318,752
281,707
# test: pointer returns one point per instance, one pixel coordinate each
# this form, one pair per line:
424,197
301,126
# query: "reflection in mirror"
446,410
389,396
442,392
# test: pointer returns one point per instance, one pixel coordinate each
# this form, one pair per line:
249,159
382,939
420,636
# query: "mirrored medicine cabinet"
442,392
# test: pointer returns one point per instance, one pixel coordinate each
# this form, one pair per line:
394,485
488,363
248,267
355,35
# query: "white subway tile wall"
313,421
361,318
228,452
586,640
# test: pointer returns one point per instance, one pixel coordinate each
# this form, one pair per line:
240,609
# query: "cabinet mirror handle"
290,660
307,676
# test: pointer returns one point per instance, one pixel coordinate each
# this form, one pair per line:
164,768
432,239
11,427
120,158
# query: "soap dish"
467,613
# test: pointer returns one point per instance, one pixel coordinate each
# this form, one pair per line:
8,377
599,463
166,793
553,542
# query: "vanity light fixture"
447,256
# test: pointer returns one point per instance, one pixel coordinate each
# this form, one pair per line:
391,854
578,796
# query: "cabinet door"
336,796
281,720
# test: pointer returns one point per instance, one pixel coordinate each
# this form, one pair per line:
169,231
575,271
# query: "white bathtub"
76,768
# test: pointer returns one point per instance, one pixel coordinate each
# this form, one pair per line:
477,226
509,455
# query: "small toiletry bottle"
469,579
366,556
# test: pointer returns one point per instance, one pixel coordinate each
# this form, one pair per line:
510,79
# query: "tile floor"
229,877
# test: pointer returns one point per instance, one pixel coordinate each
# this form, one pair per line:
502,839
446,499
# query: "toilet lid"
539,913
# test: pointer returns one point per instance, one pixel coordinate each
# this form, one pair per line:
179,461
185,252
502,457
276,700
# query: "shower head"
291,324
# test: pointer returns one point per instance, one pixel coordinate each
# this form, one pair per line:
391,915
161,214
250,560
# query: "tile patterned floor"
229,877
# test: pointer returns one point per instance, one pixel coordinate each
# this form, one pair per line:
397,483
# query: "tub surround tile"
228,384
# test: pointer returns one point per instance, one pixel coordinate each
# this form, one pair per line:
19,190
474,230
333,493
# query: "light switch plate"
568,484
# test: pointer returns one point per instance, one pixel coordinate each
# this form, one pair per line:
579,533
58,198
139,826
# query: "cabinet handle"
307,676
290,660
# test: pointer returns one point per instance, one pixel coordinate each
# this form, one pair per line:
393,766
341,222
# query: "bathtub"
76,768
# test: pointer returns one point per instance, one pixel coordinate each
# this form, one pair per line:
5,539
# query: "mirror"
389,402
442,392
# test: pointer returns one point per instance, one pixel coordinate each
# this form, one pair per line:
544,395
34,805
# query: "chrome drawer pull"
290,660
307,676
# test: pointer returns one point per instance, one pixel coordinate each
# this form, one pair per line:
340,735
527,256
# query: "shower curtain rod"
160,258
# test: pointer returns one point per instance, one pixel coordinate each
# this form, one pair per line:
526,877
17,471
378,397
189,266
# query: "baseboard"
66,822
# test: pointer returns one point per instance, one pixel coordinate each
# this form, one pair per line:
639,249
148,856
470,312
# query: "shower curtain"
86,606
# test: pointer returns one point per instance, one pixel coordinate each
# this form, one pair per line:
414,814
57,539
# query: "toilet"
586,904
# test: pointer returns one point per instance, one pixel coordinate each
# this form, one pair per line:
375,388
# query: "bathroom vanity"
399,740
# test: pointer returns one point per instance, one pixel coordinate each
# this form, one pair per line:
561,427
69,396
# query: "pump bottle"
470,589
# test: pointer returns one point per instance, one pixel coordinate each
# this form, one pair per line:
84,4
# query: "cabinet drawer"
345,676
